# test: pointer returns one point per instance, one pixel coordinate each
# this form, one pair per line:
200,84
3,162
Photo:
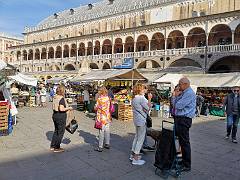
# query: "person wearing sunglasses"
231,106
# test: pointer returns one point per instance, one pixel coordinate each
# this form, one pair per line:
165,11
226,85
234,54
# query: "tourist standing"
60,108
102,108
199,101
86,99
184,103
43,96
141,107
232,109
51,94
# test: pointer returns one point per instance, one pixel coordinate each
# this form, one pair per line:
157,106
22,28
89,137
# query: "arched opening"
107,47
185,62
81,50
97,48
30,54
18,55
106,66
66,51
155,64
49,77
118,46
226,64
54,68
24,55
196,37
69,67
44,53
73,50
220,35
90,49
175,40
157,42
50,53
129,44
93,66
58,52
142,65
142,43
237,35
37,54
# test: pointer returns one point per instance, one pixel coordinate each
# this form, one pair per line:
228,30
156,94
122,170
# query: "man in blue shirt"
184,103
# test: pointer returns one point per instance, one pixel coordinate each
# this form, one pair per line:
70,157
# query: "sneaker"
51,149
234,141
59,150
138,162
148,148
227,137
131,157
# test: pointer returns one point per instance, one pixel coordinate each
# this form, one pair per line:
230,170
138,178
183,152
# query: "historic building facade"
6,42
155,33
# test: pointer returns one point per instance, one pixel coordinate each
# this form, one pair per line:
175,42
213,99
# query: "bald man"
184,102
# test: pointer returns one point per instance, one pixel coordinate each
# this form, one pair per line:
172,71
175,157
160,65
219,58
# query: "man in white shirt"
86,99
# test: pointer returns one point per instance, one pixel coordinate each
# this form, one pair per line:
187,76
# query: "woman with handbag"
141,107
60,108
103,119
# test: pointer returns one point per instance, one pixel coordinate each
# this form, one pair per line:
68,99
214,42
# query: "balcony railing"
142,54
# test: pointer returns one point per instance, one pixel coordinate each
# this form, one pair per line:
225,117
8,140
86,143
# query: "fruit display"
122,96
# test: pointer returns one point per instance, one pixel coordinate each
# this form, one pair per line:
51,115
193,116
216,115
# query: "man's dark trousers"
182,125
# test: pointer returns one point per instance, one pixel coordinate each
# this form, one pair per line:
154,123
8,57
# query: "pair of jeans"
232,125
104,135
139,139
59,120
182,126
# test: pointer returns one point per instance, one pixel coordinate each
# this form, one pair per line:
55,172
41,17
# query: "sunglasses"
235,90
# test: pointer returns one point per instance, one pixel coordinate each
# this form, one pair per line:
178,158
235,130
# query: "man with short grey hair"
184,103
232,110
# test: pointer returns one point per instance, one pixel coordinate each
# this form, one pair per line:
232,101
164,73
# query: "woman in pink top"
102,108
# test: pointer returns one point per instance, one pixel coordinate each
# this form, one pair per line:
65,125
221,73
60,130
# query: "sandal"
107,146
98,149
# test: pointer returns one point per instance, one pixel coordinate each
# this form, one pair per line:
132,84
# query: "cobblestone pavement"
25,155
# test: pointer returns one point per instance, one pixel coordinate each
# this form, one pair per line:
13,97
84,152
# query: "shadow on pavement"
49,135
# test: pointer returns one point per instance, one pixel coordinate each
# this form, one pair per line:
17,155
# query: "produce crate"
4,132
125,112
80,105
3,125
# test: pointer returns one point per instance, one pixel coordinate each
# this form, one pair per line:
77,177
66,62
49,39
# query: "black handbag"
72,126
149,121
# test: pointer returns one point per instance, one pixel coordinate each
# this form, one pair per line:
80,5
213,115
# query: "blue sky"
16,14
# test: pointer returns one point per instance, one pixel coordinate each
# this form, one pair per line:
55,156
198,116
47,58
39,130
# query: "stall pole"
132,77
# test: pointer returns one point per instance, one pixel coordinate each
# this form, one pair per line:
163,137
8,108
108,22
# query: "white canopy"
114,74
170,78
204,80
2,64
24,79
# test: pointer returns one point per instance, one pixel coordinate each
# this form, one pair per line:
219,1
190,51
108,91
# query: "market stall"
7,107
23,95
214,87
119,82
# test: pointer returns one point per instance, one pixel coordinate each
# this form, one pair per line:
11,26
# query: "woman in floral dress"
104,116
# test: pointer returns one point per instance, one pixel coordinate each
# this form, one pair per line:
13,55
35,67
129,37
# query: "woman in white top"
141,107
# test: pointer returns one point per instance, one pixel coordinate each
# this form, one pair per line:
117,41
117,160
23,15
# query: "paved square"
25,153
